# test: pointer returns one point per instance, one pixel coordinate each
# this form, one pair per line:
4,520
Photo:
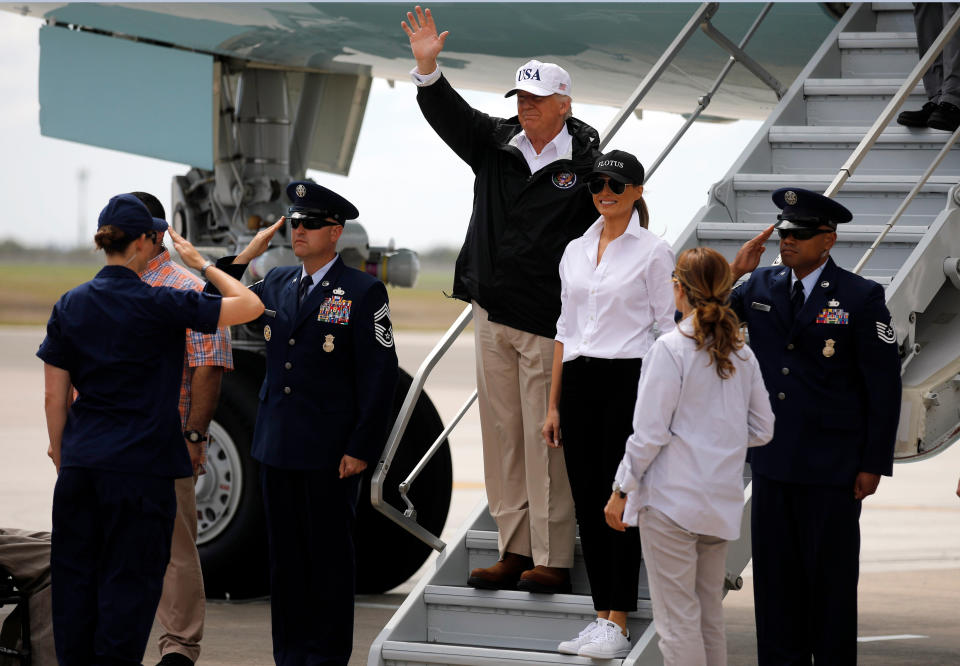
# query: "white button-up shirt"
559,148
615,309
691,431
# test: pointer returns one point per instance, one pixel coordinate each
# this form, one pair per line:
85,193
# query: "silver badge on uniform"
328,343
325,283
763,307
301,190
824,284
382,328
790,197
833,303
338,291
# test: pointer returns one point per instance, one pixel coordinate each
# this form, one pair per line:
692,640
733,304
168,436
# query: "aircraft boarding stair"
807,138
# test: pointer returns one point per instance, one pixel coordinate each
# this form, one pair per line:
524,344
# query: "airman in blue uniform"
325,407
119,446
830,361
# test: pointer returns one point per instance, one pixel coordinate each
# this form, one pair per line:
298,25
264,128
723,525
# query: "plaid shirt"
202,349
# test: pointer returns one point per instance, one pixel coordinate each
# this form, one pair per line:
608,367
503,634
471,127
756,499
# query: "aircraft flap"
125,95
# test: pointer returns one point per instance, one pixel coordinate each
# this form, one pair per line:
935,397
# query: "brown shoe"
501,576
546,580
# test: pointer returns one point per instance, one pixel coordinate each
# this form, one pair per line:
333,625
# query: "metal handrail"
408,519
704,101
868,141
700,20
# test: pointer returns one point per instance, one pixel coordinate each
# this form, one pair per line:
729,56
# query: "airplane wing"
178,64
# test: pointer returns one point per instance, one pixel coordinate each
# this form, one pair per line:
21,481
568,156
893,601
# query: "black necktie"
796,298
304,288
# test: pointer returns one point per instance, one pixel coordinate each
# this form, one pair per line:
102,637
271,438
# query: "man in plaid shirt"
182,605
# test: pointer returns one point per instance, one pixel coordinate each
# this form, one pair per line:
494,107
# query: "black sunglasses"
802,234
596,185
310,223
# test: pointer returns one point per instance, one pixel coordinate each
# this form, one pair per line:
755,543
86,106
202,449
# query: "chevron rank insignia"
886,333
382,328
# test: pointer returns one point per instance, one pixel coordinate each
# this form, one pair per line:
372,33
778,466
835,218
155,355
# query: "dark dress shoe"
501,576
917,118
175,659
546,580
946,117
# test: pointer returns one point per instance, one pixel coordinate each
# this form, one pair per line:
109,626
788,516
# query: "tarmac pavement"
910,555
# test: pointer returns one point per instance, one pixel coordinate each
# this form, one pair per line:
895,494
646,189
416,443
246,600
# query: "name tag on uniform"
763,307
833,316
335,310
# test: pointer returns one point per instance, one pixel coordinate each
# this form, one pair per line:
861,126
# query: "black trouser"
806,549
596,417
310,518
109,551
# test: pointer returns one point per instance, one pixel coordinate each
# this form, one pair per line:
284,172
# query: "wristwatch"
617,489
203,269
194,436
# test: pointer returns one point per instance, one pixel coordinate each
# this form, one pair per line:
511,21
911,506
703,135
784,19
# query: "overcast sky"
406,183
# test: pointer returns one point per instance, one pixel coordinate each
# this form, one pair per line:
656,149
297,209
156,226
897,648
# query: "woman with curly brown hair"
700,403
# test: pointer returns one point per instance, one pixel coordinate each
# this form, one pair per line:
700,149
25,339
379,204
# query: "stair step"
483,552
898,150
878,40
850,101
404,652
512,618
894,16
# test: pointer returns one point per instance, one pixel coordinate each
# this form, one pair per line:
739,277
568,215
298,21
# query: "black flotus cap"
621,166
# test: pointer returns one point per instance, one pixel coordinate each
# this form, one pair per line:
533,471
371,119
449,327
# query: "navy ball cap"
802,209
129,214
309,200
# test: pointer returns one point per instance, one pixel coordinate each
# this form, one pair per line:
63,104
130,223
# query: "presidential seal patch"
382,328
564,179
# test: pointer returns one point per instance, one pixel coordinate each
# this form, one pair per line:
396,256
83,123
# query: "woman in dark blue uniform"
119,446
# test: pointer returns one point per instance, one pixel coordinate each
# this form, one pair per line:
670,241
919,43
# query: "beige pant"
183,604
526,480
685,573
26,555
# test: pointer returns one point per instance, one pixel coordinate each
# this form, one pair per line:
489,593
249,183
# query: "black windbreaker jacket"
521,222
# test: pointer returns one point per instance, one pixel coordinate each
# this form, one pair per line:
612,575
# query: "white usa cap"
541,78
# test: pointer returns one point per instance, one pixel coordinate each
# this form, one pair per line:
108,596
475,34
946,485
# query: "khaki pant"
26,555
526,481
183,604
685,573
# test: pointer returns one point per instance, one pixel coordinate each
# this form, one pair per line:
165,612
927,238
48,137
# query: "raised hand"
425,43
188,253
748,256
260,243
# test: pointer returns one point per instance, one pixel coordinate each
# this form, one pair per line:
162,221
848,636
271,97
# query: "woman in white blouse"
615,297
701,402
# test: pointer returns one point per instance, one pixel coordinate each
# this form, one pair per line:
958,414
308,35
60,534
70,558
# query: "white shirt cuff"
624,478
422,80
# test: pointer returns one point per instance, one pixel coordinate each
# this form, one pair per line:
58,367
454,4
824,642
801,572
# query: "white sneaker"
607,642
573,646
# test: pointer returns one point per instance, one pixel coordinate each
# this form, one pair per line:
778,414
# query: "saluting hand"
613,512
188,253
425,43
350,466
260,243
748,256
